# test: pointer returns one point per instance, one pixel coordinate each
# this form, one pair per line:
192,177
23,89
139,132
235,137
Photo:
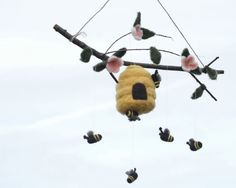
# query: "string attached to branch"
180,32
211,72
79,32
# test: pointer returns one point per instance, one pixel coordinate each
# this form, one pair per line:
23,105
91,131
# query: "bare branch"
205,87
104,57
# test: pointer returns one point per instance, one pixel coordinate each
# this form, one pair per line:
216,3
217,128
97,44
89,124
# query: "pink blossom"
188,63
113,64
137,32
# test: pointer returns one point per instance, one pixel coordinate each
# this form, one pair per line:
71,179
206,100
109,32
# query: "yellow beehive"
135,91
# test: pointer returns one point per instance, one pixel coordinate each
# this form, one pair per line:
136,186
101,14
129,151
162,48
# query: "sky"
49,99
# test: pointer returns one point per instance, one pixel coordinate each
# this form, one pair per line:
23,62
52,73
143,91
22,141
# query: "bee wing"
128,172
191,140
90,133
167,131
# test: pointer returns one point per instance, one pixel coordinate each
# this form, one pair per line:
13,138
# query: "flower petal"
188,63
113,64
137,32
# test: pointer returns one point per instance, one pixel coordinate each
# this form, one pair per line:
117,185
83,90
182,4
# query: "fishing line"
180,32
79,32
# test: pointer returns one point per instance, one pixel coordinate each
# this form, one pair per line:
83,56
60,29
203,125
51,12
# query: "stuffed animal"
135,92
165,135
194,145
132,175
92,138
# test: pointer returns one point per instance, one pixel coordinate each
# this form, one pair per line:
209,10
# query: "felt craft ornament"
132,175
135,92
113,64
92,138
136,30
140,33
188,62
135,89
165,135
194,145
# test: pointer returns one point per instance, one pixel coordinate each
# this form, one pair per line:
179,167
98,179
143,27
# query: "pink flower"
137,32
188,63
113,64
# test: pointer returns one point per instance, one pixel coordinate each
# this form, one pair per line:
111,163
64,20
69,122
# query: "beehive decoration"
135,92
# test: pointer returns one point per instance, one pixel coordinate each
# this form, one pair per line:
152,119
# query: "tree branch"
79,43
104,57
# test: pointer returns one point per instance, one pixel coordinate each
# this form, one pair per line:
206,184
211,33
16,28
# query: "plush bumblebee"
194,145
92,138
156,77
135,92
165,135
132,175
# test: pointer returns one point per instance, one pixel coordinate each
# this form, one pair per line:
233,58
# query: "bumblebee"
132,175
92,138
194,145
156,77
135,92
165,135
132,115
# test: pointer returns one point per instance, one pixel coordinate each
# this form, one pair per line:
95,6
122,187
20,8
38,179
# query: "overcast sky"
49,99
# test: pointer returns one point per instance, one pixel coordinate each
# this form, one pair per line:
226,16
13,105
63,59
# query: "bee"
132,175
135,92
132,115
92,138
165,135
156,77
194,145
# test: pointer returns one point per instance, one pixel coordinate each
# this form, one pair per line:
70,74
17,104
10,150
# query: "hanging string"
79,32
111,74
180,32
116,41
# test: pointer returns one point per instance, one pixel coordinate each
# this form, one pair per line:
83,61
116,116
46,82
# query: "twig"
104,57
212,61
116,41
160,35
140,49
114,78
79,43
112,75
205,87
